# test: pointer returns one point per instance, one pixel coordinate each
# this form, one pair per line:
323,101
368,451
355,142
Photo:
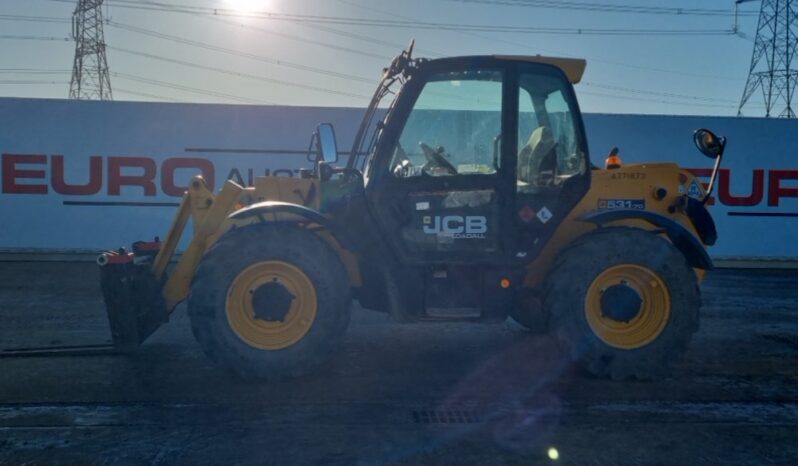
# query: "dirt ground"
399,394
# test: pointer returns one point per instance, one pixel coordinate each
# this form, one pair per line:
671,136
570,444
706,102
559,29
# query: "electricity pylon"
772,69
90,76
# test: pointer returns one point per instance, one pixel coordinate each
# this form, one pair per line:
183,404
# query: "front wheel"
623,302
269,301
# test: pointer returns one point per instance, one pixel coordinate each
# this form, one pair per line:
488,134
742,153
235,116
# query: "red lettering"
168,174
776,191
60,185
116,179
757,189
11,174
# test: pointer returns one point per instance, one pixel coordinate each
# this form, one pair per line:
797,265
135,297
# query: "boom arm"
208,213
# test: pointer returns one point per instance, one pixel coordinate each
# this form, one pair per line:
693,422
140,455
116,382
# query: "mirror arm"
310,147
714,176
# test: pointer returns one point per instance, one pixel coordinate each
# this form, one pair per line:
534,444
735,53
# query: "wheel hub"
620,303
628,306
271,301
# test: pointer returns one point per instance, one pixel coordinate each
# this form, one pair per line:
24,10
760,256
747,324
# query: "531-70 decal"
611,204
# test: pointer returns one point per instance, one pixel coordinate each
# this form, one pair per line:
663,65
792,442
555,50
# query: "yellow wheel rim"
271,334
651,318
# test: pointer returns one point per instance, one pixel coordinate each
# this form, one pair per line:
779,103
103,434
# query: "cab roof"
573,68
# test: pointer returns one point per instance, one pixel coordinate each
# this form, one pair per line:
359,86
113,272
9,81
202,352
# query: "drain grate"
457,416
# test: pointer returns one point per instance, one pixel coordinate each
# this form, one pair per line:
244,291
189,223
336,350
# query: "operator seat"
537,156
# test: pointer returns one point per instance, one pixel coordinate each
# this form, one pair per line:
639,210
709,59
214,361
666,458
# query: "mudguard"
702,221
686,242
292,213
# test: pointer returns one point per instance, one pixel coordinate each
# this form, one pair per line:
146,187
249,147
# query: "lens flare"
554,455
247,6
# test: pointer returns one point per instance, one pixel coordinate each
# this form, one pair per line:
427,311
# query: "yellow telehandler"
470,196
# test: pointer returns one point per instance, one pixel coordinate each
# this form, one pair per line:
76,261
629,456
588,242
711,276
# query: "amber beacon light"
613,160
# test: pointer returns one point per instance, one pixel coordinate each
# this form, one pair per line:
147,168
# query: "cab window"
549,147
454,127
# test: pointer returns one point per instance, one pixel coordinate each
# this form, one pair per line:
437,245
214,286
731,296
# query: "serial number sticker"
611,204
628,176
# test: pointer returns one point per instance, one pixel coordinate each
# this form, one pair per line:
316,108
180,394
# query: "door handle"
496,151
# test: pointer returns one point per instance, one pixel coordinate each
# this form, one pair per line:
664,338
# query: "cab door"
552,166
439,186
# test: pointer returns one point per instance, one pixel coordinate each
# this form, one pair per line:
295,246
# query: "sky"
244,56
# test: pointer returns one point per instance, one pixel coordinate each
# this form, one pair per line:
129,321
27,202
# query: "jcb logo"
457,226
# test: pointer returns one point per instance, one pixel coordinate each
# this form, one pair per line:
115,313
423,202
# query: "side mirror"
326,146
709,144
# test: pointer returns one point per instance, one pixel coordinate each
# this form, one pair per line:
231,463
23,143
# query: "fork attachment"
133,296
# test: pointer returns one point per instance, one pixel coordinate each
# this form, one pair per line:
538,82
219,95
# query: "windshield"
372,124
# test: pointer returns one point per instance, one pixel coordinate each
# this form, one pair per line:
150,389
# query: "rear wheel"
269,301
623,302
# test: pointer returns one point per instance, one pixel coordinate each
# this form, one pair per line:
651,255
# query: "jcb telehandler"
470,197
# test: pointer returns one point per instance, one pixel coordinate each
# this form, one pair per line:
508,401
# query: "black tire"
243,247
568,284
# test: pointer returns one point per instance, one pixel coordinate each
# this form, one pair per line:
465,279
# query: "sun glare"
247,6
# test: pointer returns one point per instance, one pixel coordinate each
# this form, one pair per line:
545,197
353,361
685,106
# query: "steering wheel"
403,162
435,157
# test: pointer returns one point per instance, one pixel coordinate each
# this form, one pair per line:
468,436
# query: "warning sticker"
544,215
695,190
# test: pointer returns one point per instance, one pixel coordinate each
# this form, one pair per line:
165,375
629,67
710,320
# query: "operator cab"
478,158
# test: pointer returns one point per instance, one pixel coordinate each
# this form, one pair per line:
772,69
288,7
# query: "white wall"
38,136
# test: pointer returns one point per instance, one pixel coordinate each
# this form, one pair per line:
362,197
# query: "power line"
655,93
236,73
34,19
377,41
637,91
251,56
370,39
181,87
418,25
32,71
658,101
32,82
179,9
610,7
218,49
30,37
526,48
146,95
294,37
